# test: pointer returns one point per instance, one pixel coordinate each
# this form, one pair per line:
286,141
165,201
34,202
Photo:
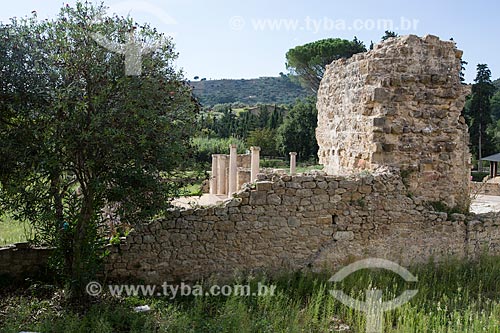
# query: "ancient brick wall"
398,105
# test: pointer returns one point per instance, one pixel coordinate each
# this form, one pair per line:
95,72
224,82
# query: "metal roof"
492,158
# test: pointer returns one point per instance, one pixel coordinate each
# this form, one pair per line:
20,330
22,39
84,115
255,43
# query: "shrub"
204,147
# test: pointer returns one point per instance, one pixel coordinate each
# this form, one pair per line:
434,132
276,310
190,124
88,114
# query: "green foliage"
265,90
226,125
276,118
446,301
308,61
298,131
12,231
388,34
478,113
224,122
495,106
247,122
493,132
273,163
78,135
496,83
265,139
204,147
479,176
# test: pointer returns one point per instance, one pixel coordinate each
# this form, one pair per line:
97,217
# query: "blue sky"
246,39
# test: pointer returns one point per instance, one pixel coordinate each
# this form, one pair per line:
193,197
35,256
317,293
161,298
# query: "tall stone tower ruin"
399,105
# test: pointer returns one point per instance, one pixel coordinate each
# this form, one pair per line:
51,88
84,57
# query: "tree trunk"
81,243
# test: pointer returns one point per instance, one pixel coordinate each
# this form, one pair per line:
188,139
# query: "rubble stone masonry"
393,145
395,151
295,222
398,105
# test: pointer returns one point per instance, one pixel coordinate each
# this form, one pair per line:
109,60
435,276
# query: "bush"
273,163
478,176
204,147
264,138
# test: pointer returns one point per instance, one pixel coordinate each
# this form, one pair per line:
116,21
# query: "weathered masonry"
399,105
392,143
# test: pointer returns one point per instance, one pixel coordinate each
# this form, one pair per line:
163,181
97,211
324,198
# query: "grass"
192,189
306,168
456,296
283,164
12,231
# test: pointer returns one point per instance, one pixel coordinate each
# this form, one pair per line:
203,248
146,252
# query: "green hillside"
496,83
265,90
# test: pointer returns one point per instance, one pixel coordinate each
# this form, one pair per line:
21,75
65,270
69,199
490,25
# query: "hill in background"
264,90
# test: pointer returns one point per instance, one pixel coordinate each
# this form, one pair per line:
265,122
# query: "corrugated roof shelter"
494,159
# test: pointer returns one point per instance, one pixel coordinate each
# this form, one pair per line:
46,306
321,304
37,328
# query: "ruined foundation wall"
392,142
18,261
398,105
289,223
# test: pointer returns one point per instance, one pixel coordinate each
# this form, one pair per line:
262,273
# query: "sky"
221,39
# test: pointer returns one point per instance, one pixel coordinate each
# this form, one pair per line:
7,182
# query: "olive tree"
78,134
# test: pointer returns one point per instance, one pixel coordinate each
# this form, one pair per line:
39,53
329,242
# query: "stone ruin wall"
397,114
298,222
20,260
398,105
391,139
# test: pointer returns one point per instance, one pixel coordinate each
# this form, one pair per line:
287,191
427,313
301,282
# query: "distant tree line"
281,129
276,129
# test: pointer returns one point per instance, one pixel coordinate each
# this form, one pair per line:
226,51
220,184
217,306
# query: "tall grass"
455,296
12,231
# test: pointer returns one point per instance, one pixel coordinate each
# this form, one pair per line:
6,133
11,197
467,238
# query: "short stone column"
213,175
254,163
233,170
293,163
221,174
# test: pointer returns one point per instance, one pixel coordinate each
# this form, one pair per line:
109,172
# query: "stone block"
304,193
325,220
258,198
264,186
273,199
343,235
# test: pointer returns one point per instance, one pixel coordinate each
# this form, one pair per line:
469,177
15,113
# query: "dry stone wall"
398,105
392,142
21,260
289,223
